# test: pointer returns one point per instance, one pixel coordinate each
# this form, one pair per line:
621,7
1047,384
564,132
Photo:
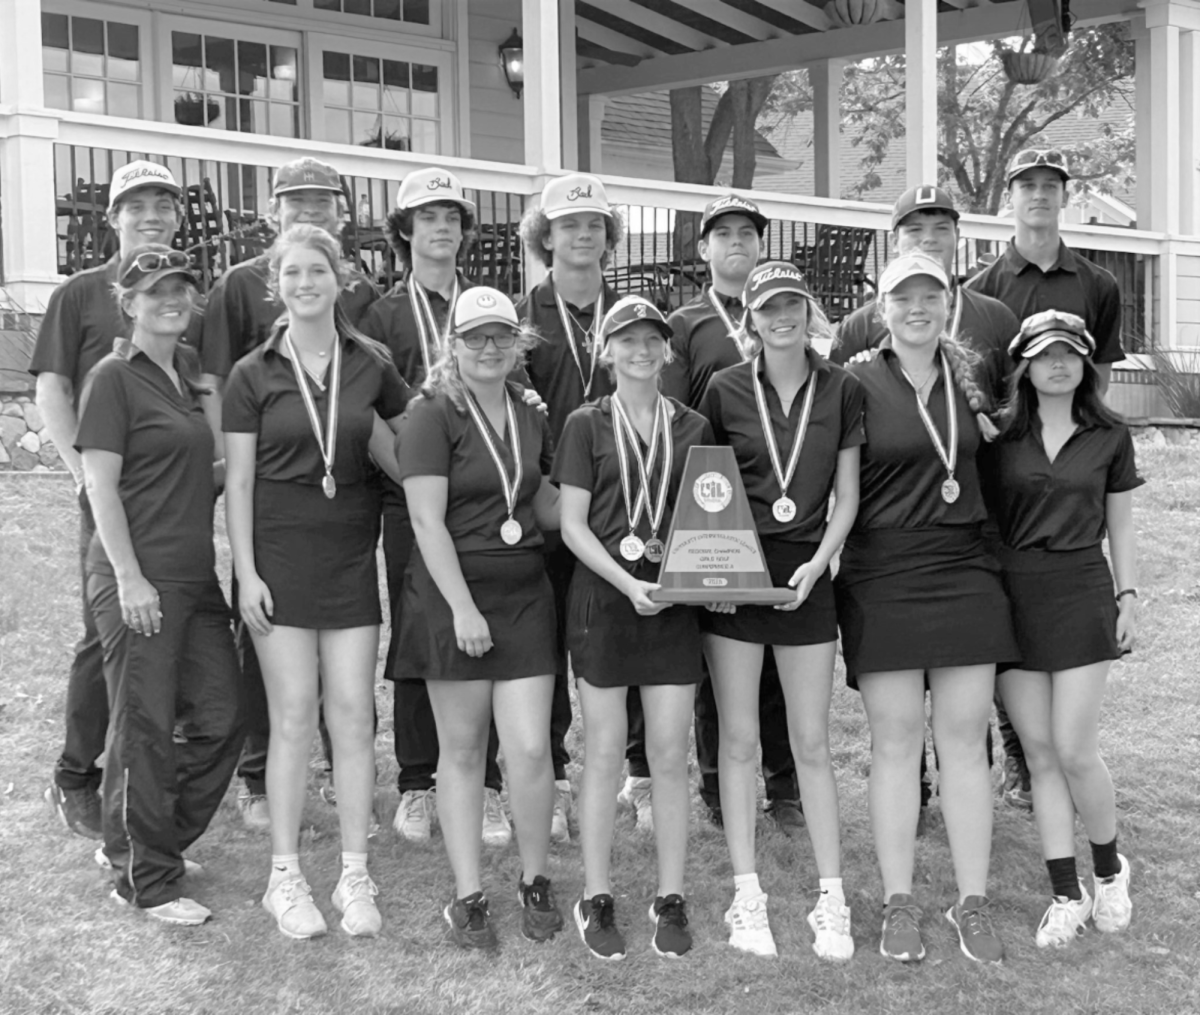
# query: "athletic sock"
1105,862
353,861
833,888
746,886
283,866
1064,879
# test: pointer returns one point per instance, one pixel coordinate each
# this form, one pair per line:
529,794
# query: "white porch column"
542,95
1142,116
591,122
27,134
826,79
920,76
1189,132
571,142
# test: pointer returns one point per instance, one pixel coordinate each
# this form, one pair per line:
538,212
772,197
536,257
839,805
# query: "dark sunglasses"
152,261
477,342
1033,157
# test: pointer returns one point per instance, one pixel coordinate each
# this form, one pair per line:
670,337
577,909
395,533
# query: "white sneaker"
830,922
1113,909
750,930
560,830
290,902
190,867
354,898
636,794
1064,921
180,912
496,829
414,816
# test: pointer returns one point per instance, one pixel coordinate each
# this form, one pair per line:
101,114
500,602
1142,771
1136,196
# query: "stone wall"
25,446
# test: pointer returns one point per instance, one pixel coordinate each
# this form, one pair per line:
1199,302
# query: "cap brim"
1048,338
762,298
943,282
146,281
170,188
421,201
758,218
476,322
293,187
558,213
952,212
663,327
1014,173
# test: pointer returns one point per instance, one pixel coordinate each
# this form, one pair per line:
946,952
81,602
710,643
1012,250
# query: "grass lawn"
65,947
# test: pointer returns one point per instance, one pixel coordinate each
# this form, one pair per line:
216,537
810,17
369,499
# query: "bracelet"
1126,592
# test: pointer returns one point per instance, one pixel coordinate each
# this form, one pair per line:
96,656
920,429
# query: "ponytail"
963,362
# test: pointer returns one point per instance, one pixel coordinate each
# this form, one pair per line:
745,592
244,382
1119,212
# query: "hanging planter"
844,13
1028,68
192,107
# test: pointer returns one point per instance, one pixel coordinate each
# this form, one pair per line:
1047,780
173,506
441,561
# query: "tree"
984,119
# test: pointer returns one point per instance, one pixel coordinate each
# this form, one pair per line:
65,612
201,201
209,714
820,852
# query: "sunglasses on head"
475,342
151,261
1033,157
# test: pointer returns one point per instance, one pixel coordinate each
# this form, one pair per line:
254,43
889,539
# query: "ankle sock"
284,865
746,886
1105,862
833,888
352,861
1064,879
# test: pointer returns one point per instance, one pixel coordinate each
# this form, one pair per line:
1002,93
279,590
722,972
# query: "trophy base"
742,597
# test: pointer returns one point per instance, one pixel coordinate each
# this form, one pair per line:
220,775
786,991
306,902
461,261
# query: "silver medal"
510,532
784,509
950,490
329,486
632,548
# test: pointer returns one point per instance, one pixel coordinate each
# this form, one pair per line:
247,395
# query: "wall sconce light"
512,60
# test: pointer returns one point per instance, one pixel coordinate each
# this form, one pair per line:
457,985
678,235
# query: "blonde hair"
818,327
443,377
604,357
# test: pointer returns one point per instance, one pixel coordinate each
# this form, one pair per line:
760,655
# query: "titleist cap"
140,174
732,204
770,278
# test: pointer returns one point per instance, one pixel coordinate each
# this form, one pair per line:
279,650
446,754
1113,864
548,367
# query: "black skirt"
510,589
317,554
1063,608
919,599
611,645
813,623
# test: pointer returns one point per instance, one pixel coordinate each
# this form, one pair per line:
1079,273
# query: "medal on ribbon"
784,509
433,339
632,547
731,329
510,531
327,442
949,456
568,325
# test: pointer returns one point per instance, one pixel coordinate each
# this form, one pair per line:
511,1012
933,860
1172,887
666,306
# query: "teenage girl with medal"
477,611
920,603
619,465
795,425
302,415
1064,474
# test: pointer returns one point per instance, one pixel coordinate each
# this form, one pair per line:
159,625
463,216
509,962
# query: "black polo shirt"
82,321
1073,284
987,326
436,438
835,423
130,407
550,368
241,312
587,458
262,397
1059,505
901,475
702,346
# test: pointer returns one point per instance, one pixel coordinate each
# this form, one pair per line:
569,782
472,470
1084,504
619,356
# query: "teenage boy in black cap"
1038,271
81,322
240,314
706,341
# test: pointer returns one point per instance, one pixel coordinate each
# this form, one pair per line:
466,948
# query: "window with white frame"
92,65
414,12
381,103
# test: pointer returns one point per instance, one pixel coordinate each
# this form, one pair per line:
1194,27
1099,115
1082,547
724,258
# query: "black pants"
159,794
779,767
414,730
87,700
560,566
256,720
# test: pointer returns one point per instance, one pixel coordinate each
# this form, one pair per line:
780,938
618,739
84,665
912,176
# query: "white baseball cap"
577,192
139,174
908,265
428,186
484,305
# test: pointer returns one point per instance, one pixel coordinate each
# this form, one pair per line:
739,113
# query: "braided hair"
963,362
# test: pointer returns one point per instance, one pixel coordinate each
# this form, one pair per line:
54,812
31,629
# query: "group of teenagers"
522,464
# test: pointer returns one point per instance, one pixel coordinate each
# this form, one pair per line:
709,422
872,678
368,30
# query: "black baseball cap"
1044,329
629,310
732,204
926,197
306,174
144,265
770,278
1037,158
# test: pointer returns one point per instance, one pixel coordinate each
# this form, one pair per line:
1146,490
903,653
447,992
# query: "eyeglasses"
151,261
501,341
1033,157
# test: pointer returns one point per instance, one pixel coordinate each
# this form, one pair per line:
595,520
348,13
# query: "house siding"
497,117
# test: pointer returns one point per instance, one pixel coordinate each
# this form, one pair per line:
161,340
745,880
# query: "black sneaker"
470,925
671,936
788,815
540,918
77,809
597,925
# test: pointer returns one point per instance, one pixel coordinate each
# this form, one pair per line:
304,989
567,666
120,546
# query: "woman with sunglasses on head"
795,425
303,415
1064,476
619,467
169,660
920,603
478,622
